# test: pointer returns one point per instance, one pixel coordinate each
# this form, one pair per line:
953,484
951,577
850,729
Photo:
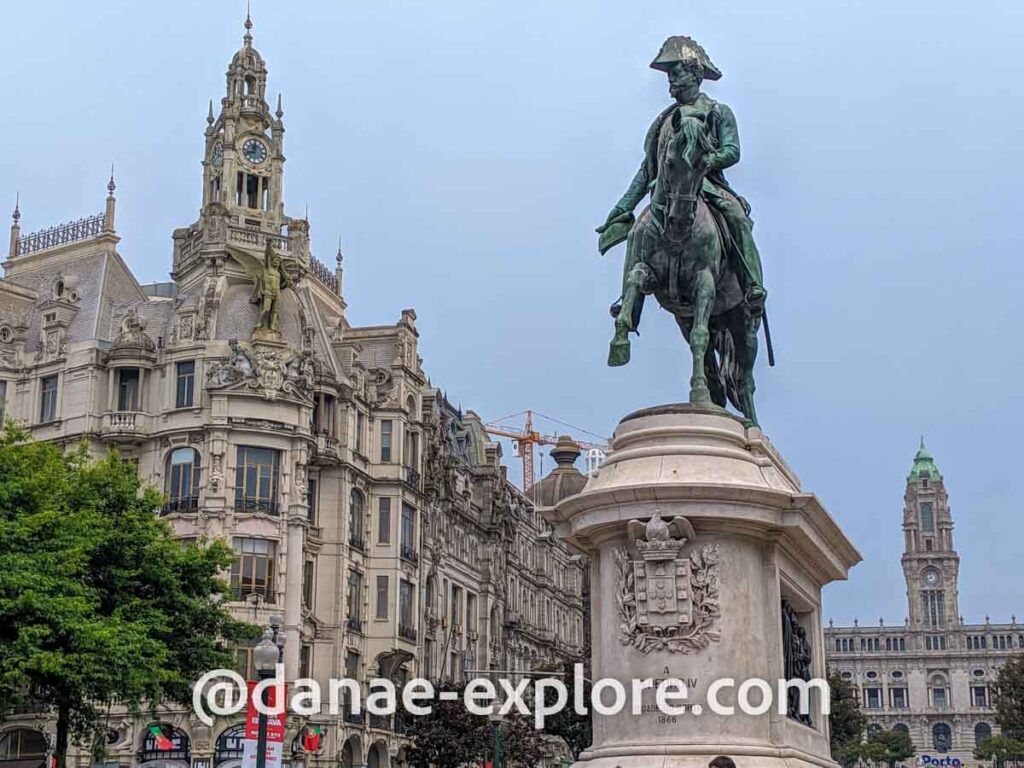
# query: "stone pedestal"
708,563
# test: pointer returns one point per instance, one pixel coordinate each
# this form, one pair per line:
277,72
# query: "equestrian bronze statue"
692,247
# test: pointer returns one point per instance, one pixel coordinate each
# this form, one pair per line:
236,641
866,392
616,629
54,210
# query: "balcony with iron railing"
354,624
357,542
409,553
411,477
353,717
315,533
407,632
380,722
183,505
250,505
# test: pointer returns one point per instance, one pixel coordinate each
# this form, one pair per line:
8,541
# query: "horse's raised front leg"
703,301
618,353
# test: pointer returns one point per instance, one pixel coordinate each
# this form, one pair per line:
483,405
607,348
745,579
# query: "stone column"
707,563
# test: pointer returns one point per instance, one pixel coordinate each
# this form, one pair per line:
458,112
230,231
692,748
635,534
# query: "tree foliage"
1008,698
99,604
885,746
575,729
846,720
451,737
999,748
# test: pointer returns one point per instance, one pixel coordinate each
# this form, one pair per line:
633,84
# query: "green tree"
452,737
999,748
99,604
887,746
575,729
846,721
1008,698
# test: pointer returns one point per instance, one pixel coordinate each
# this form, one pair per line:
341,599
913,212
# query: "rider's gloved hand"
615,213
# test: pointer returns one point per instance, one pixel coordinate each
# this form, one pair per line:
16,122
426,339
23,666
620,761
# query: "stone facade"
373,517
931,674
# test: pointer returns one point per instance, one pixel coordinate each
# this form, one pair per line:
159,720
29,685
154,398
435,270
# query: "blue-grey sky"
465,150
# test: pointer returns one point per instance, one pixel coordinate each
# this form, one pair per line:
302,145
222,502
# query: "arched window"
22,744
902,728
228,751
873,730
165,745
942,738
182,480
356,504
982,731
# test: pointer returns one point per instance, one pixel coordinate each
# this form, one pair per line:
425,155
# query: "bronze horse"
689,274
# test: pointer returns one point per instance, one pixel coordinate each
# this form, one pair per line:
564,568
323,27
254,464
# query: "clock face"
218,155
254,150
931,578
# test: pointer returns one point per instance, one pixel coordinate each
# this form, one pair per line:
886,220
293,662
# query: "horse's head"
682,173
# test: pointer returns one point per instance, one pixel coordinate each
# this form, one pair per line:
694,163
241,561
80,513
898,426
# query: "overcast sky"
464,152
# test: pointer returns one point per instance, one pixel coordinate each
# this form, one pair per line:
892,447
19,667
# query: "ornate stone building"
930,675
371,516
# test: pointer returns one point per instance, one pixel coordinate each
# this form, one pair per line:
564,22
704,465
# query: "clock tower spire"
243,165
931,565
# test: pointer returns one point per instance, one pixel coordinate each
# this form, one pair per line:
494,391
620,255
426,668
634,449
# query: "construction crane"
527,437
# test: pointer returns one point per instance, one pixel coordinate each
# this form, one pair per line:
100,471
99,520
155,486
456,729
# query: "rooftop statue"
692,247
269,278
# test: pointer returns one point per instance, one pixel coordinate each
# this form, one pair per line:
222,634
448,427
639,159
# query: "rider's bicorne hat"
682,48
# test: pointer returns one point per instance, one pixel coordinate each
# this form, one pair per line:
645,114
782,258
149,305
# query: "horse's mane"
692,131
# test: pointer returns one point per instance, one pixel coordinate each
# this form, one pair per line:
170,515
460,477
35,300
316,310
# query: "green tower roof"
924,465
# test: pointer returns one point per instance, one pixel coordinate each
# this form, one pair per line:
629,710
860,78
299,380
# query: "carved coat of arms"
667,601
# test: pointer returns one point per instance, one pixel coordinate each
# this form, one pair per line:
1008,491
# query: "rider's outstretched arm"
636,191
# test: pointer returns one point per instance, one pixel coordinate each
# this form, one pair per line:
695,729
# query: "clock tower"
931,565
243,165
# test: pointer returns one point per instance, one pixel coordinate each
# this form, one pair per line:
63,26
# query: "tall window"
386,427
898,698
351,665
382,597
927,517
186,384
182,480
360,431
982,731
355,520
934,608
405,610
3,401
253,570
128,389
48,399
307,583
256,479
384,520
979,696
311,500
939,696
408,532
354,599
873,698
305,659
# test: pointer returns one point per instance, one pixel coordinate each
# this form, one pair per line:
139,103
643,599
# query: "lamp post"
495,717
266,656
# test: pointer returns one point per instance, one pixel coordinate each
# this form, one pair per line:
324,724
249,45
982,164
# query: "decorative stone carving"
667,601
268,370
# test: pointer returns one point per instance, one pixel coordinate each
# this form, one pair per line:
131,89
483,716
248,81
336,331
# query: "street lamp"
496,717
266,656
